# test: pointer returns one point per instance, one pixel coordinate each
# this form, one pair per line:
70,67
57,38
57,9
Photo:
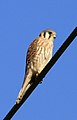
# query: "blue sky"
20,23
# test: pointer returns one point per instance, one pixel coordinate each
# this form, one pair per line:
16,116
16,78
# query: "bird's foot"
41,81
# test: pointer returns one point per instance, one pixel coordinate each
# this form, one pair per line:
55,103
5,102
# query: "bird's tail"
24,88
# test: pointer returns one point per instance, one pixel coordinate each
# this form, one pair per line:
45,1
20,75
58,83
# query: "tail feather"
28,81
23,90
22,93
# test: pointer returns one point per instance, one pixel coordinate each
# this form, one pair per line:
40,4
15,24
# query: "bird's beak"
54,36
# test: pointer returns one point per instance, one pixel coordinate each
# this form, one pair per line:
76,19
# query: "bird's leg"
37,76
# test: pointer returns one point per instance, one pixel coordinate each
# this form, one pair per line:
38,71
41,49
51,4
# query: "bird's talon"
41,81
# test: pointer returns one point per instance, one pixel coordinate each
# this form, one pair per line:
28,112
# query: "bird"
38,55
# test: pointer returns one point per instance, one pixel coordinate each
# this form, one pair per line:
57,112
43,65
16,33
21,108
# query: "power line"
43,73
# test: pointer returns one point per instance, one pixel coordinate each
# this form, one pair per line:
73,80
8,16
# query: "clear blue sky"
20,23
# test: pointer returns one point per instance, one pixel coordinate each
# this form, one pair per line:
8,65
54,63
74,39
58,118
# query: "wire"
43,73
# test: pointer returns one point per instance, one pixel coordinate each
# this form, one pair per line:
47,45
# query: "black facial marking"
44,34
50,34
40,35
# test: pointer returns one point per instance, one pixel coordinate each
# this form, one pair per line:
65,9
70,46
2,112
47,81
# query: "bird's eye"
50,34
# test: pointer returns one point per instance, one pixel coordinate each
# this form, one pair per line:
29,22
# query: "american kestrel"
38,55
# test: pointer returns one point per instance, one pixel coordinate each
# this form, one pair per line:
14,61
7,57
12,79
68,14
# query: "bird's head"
48,34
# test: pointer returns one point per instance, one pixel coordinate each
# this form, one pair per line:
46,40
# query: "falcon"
38,55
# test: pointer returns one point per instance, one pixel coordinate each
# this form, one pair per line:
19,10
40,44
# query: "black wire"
43,73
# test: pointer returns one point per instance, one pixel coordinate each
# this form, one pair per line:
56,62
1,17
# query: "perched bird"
38,55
